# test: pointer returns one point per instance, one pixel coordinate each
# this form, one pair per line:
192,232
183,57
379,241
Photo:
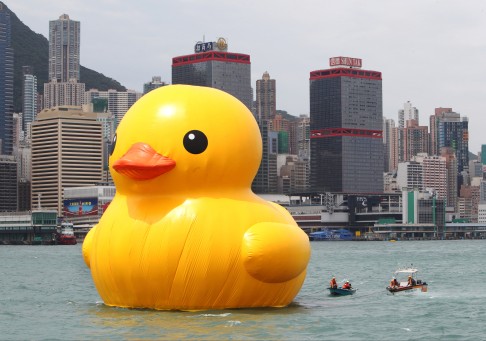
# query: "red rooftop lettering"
345,61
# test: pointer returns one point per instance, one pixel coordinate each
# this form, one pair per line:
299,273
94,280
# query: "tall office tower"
390,142
266,178
118,101
21,152
433,126
449,129
29,97
213,66
435,175
415,140
17,133
266,97
346,114
451,165
407,113
64,68
8,183
64,49
67,151
154,84
300,137
6,82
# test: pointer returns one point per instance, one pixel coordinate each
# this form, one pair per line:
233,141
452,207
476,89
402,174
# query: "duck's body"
194,244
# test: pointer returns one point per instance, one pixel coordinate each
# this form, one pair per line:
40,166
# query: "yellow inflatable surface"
184,230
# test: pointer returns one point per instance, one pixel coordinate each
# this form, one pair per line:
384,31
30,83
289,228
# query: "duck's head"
181,138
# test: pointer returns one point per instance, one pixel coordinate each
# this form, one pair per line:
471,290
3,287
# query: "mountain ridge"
32,49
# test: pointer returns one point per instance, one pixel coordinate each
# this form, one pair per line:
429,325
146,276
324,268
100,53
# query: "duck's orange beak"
142,162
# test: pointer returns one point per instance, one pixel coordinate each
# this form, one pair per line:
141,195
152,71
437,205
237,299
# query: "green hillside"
32,49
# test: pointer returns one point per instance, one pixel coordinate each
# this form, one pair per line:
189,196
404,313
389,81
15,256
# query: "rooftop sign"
345,62
219,45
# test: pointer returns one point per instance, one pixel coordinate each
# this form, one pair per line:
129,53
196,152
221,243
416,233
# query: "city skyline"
429,53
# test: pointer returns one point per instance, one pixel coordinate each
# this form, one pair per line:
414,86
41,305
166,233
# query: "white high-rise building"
407,113
410,176
29,97
435,175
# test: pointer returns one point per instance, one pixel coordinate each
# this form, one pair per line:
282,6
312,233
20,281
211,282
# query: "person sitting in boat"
394,283
347,285
333,283
411,281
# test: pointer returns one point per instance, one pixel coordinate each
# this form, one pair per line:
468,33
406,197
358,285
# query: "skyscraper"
435,175
266,97
407,113
29,97
414,139
213,66
8,183
449,130
6,82
274,131
64,48
266,178
67,151
452,176
64,53
346,128
390,143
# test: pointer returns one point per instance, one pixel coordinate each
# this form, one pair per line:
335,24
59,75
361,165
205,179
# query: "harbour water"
46,293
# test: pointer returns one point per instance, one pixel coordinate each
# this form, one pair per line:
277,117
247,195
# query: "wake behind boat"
405,279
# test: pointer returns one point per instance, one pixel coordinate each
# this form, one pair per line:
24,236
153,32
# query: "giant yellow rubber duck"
184,230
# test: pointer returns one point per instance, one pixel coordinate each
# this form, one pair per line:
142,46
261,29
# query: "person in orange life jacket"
332,283
347,285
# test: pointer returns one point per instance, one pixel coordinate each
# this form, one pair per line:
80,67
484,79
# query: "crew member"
333,283
411,281
347,285
394,283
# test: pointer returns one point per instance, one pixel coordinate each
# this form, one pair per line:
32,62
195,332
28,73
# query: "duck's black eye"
113,144
195,142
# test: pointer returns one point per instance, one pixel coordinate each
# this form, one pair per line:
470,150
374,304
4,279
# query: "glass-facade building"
6,82
8,183
346,122
230,72
454,133
29,97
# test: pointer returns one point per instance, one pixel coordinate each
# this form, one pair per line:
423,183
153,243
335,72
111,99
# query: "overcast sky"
430,52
